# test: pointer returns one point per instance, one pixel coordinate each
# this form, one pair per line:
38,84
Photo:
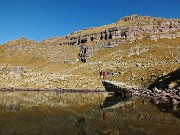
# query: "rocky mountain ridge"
136,49
129,28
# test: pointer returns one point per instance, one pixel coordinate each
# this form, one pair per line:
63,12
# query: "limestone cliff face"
129,28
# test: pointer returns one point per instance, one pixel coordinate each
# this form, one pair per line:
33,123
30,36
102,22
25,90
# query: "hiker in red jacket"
104,74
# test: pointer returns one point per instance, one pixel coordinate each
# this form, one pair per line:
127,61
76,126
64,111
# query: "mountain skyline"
42,19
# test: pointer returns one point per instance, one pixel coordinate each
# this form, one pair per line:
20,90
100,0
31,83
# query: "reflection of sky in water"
81,114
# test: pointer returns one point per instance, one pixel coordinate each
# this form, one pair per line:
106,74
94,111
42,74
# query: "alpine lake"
86,113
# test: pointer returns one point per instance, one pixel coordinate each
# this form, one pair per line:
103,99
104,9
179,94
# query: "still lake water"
51,113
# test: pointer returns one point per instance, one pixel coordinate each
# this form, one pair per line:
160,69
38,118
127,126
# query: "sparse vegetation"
48,64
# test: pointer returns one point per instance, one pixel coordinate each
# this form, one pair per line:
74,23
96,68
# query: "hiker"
104,74
101,72
108,73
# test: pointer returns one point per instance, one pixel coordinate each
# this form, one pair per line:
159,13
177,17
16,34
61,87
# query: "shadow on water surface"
118,101
115,100
167,108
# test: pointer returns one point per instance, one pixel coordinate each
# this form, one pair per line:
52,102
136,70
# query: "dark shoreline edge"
59,90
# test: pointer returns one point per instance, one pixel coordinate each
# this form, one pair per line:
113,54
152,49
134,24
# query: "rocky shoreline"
169,98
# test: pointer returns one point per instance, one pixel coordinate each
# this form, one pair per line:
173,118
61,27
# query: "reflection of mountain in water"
114,101
51,113
14,101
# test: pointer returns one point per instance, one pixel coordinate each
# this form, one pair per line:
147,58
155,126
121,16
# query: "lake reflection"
51,113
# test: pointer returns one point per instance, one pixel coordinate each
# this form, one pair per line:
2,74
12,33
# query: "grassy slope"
159,59
138,63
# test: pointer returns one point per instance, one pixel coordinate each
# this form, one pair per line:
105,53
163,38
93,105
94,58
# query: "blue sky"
41,19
